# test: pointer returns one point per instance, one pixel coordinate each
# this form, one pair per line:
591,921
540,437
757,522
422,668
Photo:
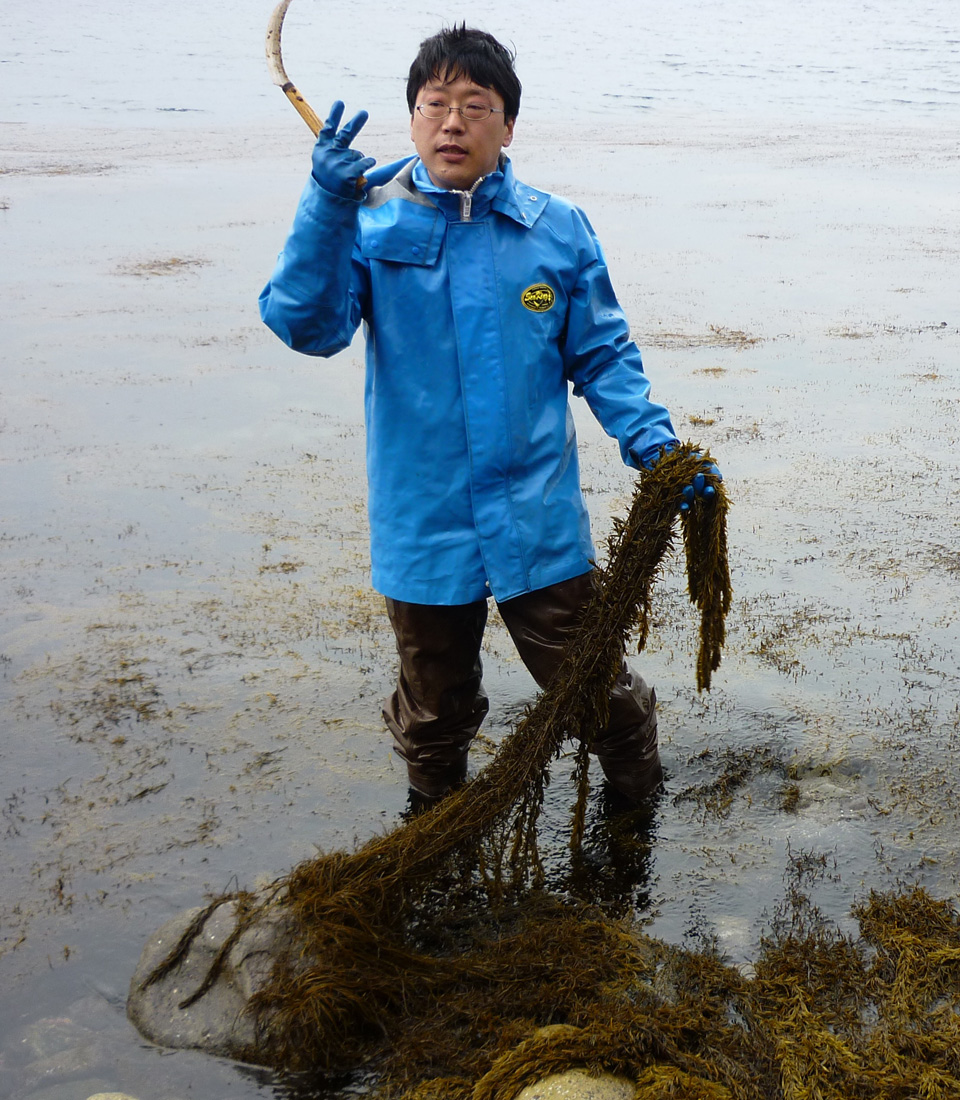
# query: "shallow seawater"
192,659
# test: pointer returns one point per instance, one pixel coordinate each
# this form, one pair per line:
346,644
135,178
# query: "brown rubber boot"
433,781
634,779
542,623
630,758
439,701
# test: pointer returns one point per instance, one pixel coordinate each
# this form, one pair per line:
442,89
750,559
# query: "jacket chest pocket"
415,240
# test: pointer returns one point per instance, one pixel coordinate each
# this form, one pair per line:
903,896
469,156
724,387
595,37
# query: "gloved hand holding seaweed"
699,489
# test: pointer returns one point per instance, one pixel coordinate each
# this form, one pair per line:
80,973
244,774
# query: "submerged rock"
49,1037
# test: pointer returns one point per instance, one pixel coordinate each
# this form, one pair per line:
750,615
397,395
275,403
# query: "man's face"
455,151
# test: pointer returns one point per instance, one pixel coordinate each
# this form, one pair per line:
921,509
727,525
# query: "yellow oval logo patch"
538,298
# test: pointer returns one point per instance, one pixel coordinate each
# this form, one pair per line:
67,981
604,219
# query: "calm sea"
107,62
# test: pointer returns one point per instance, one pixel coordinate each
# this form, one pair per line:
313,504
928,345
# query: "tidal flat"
192,658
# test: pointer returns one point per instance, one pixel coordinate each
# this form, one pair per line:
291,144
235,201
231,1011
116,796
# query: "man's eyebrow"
436,86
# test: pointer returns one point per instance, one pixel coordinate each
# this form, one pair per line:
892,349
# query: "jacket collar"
500,190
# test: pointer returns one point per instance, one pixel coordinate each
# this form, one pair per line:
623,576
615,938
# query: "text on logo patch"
538,297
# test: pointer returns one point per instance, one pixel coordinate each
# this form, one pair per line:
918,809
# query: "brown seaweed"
357,968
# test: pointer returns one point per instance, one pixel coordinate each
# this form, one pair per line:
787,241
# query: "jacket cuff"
649,456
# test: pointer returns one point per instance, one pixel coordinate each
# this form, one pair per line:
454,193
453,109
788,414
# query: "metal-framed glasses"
472,112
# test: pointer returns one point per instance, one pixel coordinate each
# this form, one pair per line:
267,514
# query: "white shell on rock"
577,1084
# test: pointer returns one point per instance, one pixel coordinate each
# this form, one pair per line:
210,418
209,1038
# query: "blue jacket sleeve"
317,294
604,364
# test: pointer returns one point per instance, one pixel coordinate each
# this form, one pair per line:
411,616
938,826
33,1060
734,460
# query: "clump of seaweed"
368,922
358,914
432,963
546,985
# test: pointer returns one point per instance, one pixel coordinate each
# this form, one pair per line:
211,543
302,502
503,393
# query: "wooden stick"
278,73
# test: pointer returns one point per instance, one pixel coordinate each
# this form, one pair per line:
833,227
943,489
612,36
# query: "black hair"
469,53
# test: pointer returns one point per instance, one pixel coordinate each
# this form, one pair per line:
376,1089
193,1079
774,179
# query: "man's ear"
508,137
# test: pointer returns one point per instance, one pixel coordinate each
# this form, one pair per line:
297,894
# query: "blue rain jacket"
477,316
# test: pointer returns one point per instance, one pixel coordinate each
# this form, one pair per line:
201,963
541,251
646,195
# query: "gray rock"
217,1022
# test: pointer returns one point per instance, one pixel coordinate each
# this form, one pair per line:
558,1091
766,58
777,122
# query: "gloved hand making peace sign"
336,167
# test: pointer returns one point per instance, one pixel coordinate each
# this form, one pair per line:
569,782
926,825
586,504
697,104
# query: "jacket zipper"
466,200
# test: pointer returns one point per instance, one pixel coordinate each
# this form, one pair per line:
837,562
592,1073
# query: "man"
481,299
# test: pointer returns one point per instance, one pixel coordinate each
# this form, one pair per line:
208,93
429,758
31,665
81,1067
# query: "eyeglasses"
472,112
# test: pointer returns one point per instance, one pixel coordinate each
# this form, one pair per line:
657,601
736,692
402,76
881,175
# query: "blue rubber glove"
699,489
336,167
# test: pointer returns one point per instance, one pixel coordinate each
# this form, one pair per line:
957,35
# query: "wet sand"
192,658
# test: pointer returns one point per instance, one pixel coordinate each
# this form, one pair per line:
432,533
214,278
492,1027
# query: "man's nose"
454,122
